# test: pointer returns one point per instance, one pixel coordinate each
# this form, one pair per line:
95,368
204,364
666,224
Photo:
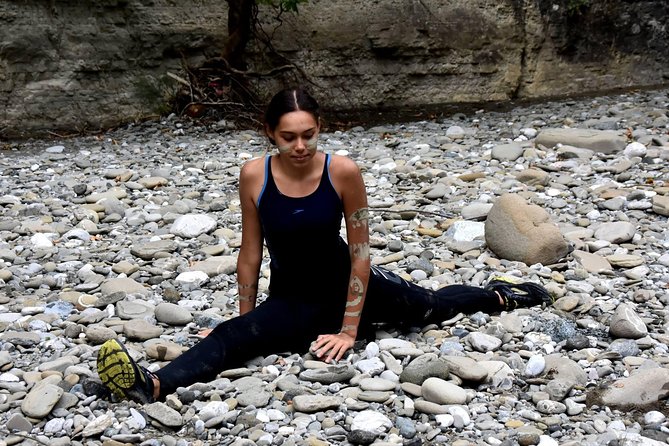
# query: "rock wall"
68,66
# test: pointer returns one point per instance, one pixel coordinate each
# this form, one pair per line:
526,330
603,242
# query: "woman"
294,200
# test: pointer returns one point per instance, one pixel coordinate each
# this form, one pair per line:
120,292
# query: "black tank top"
308,258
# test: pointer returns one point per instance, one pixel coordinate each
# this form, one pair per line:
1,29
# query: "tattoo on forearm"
247,292
357,289
359,218
349,327
360,250
352,313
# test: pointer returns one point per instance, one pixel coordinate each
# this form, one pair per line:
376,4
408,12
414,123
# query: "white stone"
372,350
466,231
262,416
455,132
635,149
9,378
213,409
546,440
43,240
276,415
460,413
136,418
371,366
53,426
55,149
654,417
193,225
617,425
529,132
98,425
535,366
638,272
371,421
663,260
194,278
444,420
77,233
417,275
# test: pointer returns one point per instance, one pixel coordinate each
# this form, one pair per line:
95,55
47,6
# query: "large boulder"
516,230
642,390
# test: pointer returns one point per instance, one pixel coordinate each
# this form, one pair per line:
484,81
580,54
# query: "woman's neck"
298,173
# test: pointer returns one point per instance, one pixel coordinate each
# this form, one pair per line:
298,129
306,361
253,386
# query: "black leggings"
287,325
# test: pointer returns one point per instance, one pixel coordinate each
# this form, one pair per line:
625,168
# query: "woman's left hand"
332,345
205,332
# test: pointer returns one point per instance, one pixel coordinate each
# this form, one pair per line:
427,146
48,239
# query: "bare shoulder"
251,179
344,168
252,170
347,179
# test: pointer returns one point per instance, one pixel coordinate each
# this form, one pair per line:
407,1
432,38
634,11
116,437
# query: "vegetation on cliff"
224,82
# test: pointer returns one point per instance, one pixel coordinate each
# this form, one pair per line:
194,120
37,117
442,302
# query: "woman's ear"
270,134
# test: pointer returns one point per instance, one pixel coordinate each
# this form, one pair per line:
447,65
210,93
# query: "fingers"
319,342
205,332
334,346
323,345
337,352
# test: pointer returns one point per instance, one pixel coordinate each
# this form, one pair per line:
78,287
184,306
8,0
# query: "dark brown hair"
290,100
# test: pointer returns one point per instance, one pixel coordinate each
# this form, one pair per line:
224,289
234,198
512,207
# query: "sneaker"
519,294
121,374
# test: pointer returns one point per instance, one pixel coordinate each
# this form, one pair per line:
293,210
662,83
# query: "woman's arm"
250,253
354,199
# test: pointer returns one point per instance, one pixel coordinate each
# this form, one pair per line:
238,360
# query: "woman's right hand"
332,345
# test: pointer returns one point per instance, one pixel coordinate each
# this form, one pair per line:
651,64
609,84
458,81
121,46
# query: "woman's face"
296,136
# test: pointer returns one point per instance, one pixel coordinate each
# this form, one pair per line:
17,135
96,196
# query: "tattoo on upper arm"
360,250
359,218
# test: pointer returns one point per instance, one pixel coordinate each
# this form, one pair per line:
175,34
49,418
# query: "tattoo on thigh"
360,250
359,218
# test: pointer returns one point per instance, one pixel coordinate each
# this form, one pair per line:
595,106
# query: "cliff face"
72,65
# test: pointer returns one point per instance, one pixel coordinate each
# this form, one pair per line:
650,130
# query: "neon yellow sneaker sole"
121,375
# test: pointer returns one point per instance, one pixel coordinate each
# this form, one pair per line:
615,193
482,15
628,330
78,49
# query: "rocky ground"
133,234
